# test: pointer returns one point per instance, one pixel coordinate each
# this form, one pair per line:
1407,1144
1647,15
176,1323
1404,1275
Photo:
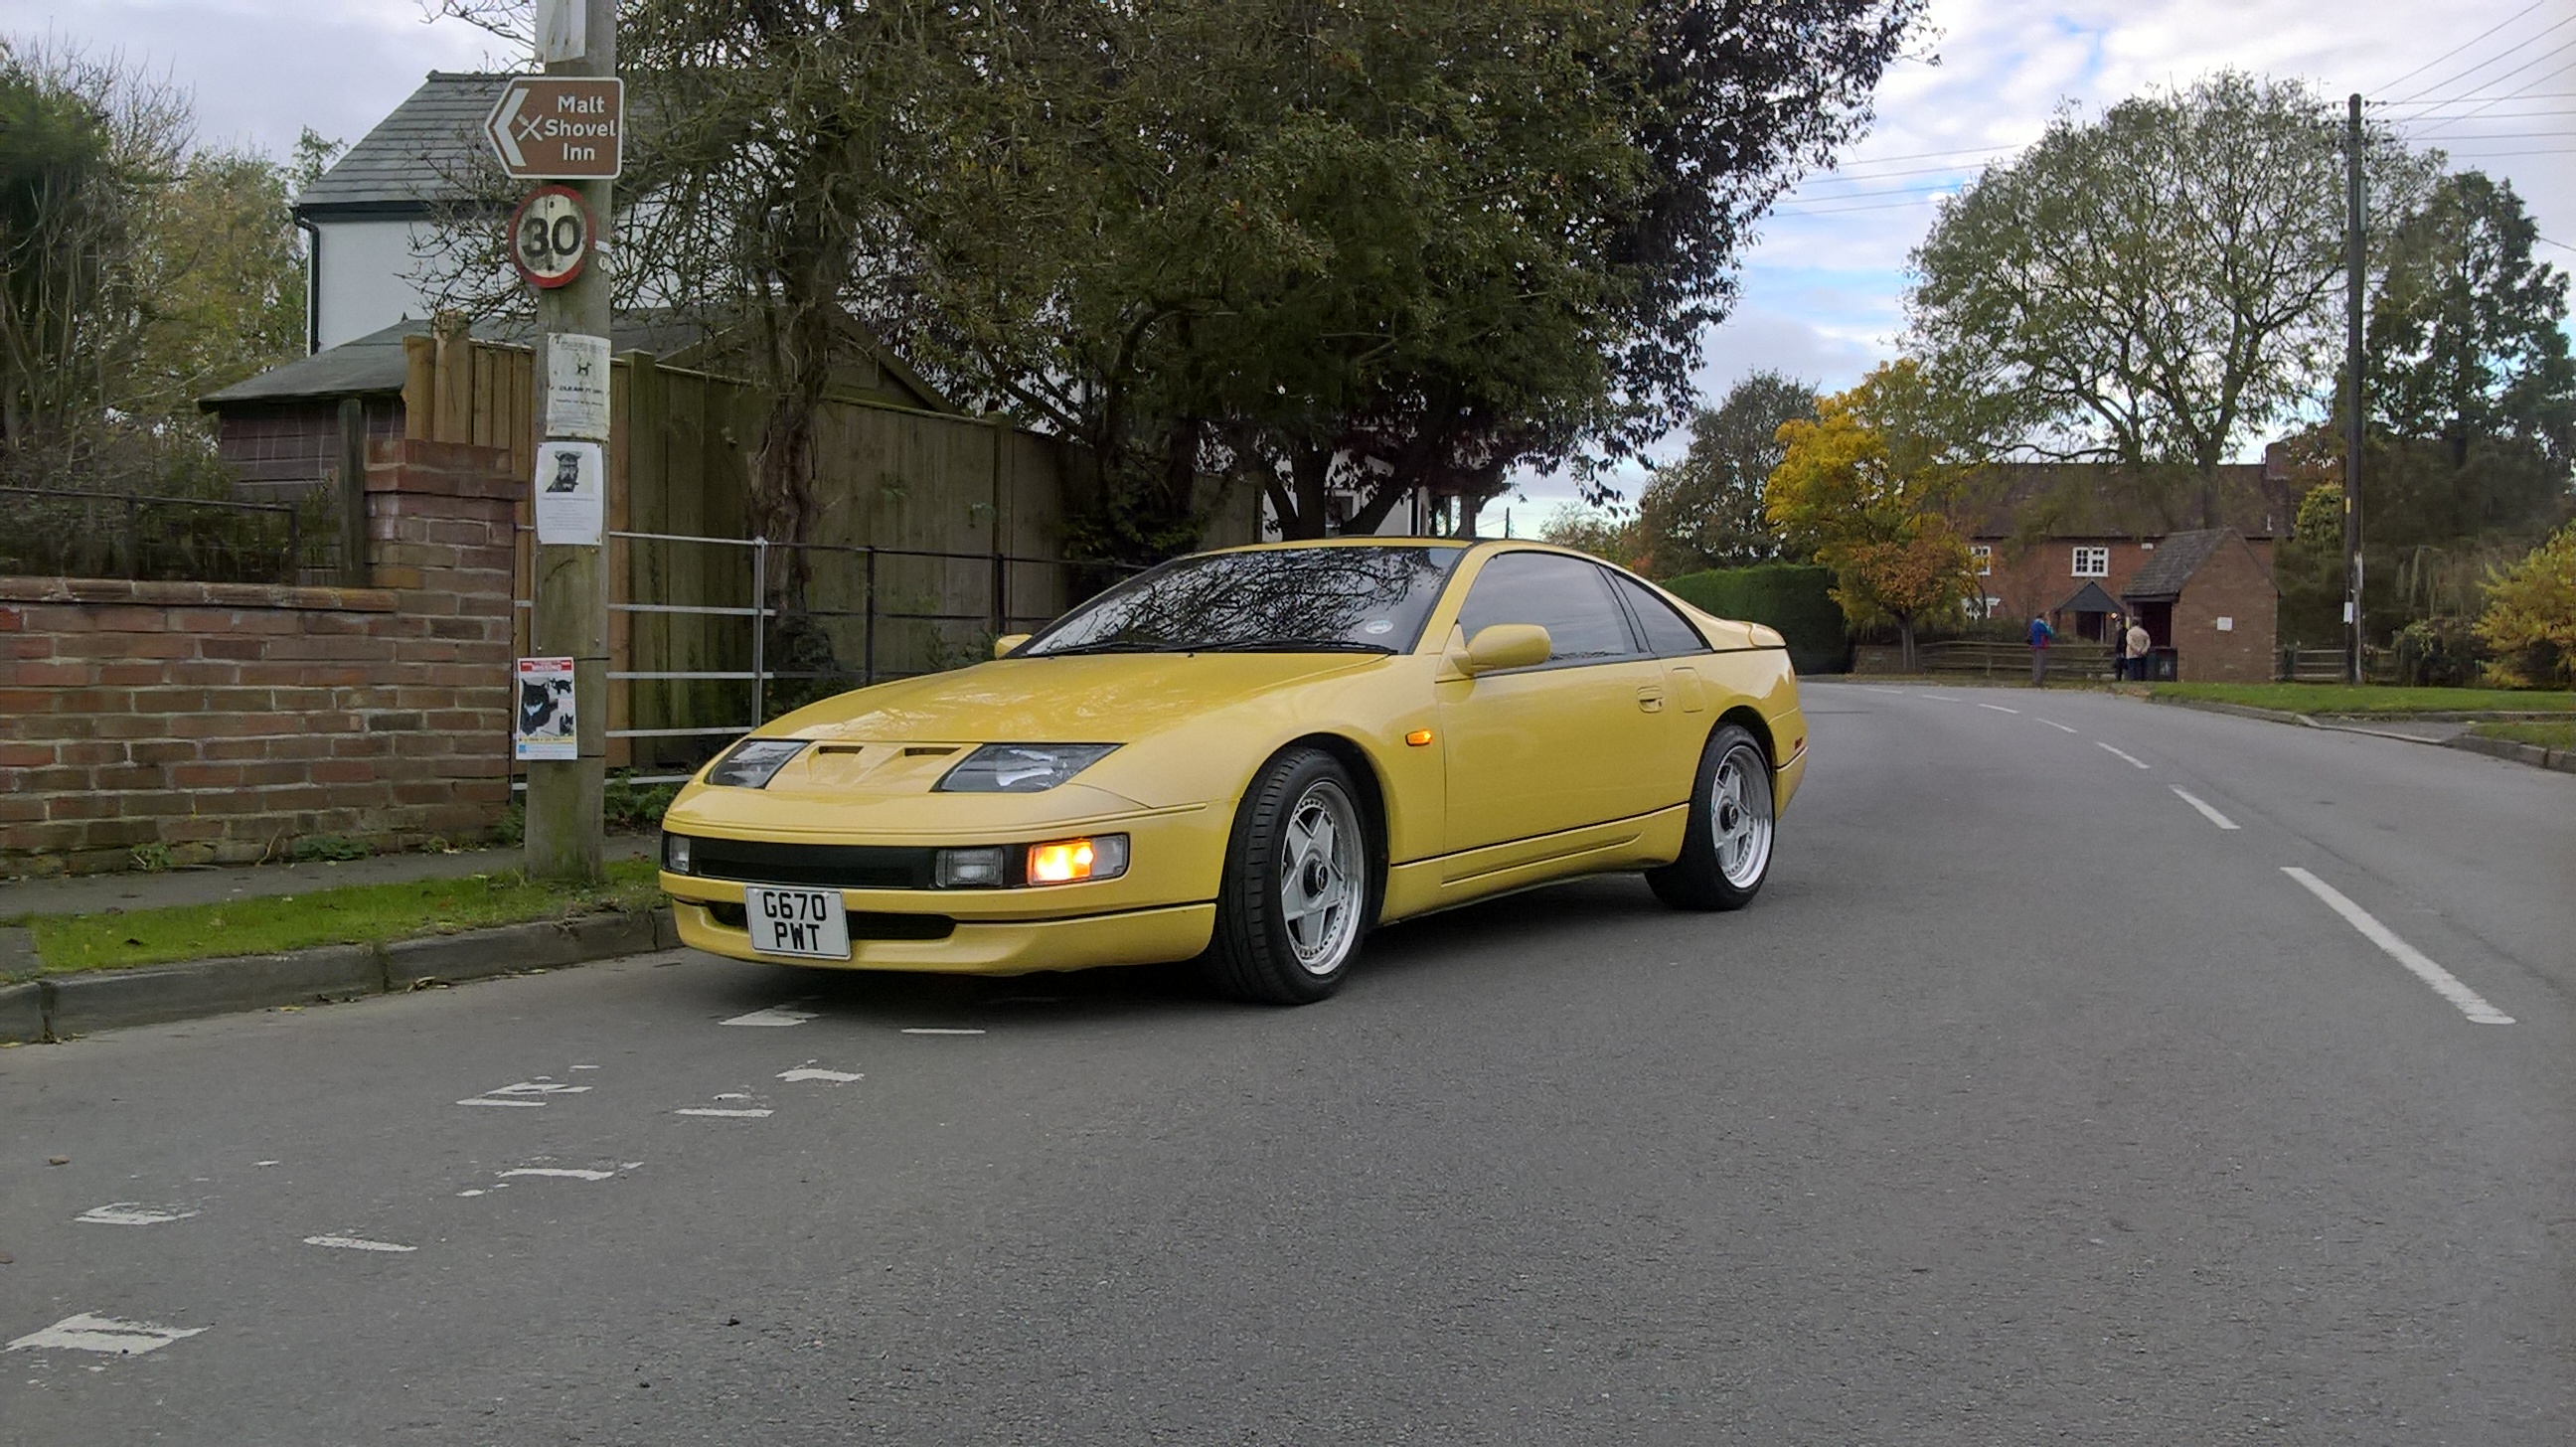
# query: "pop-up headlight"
753,762
1021,768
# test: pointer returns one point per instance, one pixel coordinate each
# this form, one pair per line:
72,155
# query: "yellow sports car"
1248,758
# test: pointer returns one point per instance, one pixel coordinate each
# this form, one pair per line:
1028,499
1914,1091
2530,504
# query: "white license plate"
806,924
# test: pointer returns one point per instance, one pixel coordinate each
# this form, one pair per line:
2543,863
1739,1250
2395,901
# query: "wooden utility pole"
2353,264
571,589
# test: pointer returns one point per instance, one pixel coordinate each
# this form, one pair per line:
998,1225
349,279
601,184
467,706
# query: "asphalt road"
2027,1105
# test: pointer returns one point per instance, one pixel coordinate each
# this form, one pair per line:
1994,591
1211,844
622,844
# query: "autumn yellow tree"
2531,616
1861,490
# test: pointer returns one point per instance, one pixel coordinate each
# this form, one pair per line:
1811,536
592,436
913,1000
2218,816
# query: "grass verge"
2547,735
2346,698
358,914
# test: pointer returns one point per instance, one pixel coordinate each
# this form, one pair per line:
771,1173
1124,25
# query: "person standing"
2139,643
2040,636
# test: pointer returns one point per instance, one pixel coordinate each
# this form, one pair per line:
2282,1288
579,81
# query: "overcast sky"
2493,82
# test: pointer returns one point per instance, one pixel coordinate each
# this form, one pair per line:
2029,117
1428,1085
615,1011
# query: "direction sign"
559,127
550,236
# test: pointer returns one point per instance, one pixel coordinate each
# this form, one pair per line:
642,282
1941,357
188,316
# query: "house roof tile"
415,157
2177,558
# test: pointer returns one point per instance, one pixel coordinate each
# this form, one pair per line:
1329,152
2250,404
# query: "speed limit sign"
550,236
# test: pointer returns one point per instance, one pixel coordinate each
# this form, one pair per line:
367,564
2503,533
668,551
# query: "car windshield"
1269,600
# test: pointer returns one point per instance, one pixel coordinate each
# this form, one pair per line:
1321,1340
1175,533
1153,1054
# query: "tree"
2157,287
1862,492
141,271
2530,619
1705,511
2467,336
1604,533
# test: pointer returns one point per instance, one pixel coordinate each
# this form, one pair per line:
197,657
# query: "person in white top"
2139,643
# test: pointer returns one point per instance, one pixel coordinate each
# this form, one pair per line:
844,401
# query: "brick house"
2061,541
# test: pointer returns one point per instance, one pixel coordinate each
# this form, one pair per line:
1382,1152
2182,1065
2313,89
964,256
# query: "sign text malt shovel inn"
559,128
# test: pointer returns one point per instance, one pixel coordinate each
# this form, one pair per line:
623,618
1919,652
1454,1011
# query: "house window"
2092,562
1983,555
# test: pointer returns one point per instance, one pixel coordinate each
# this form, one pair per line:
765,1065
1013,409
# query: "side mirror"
1507,645
1008,643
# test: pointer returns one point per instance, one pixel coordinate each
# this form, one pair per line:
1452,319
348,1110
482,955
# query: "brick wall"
2235,584
222,721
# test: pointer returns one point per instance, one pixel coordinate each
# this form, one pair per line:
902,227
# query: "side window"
1667,633
1568,597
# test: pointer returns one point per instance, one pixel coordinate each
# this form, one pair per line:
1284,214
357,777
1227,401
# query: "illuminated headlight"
1021,768
972,868
753,762
1069,861
675,853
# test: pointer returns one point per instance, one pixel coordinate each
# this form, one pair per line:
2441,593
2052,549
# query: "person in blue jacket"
2040,636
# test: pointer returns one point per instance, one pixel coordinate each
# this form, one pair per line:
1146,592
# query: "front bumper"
975,947
1160,909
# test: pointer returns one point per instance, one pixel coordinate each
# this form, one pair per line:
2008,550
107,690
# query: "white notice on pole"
577,386
542,724
560,27
572,506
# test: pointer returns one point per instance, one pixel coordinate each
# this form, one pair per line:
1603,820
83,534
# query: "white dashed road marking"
129,1213
2061,728
355,1243
86,1333
775,1015
810,1072
559,1173
2131,758
524,1093
2206,812
2444,983
937,1030
724,1112
1999,708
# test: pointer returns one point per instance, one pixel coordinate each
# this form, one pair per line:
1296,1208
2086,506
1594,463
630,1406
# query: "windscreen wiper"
1290,645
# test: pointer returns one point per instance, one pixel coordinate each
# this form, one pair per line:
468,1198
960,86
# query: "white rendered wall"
366,279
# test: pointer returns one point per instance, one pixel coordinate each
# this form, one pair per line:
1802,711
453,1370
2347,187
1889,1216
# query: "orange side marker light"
1418,737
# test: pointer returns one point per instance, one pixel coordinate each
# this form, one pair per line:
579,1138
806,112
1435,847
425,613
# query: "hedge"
1797,600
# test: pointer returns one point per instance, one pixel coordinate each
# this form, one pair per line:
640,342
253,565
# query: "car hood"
1110,698
879,753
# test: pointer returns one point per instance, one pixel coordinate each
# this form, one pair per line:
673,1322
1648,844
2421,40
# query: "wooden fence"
922,513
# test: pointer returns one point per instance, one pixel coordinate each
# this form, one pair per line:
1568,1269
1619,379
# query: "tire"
1726,848
1295,899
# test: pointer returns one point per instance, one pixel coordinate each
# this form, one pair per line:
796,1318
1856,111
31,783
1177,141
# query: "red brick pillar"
441,521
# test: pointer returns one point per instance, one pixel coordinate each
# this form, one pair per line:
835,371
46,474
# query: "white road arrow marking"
128,1213
809,1072
2445,984
775,1015
86,1333
355,1243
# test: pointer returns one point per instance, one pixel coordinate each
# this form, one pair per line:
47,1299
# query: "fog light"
675,853
970,868
1065,861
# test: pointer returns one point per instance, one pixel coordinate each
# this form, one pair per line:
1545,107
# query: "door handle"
1651,699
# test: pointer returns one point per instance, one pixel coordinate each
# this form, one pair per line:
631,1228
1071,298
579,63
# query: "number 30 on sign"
550,236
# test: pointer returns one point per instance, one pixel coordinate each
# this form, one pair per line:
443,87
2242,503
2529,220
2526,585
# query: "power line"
2457,77
2517,70
2463,45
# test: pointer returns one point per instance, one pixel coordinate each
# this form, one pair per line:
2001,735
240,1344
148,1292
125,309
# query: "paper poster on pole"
572,493
577,386
542,724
